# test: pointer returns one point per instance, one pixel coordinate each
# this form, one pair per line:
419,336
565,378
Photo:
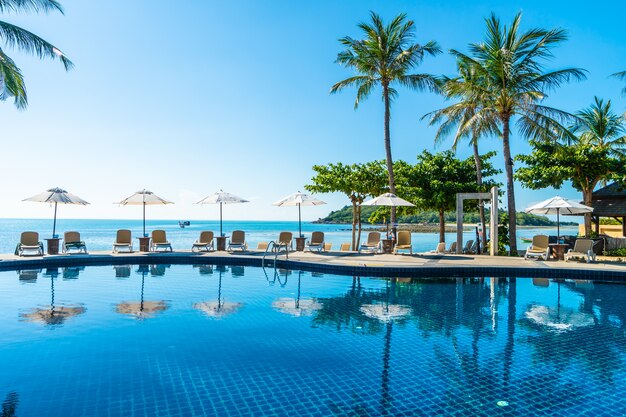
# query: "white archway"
493,221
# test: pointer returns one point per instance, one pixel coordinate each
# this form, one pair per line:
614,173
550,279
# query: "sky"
186,98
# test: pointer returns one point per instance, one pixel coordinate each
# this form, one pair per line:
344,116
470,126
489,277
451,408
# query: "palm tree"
11,78
384,58
513,82
598,125
464,88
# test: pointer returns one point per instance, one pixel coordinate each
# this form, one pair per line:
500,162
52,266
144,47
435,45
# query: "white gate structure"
493,221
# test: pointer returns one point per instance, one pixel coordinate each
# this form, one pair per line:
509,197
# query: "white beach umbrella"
388,200
558,205
144,198
56,196
299,199
220,198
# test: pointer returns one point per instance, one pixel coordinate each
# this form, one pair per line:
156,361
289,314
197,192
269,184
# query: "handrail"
271,246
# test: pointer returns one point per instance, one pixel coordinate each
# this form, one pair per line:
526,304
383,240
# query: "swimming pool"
182,340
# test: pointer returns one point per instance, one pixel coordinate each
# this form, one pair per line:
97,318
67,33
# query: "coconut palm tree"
598,125
511,76
465,88
384,58
11,78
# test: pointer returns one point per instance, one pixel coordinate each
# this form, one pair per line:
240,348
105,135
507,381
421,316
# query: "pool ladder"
272,247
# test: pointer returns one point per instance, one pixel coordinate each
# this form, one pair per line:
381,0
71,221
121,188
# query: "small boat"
526,239
183,223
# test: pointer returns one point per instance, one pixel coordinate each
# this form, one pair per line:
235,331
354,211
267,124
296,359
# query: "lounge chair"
29,241
237,241
452,248
316,242
468,246
583,249
204,242
441,248
328,247
261,246
404,242
539,249
284,241
345,247
159,241
373,244
123,239
71,241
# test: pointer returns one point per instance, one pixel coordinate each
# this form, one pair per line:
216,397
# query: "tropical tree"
595,155
621,76
465,88
356,181
383,58
436,179
511,78
11,78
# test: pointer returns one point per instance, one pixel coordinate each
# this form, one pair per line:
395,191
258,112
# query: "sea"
99,234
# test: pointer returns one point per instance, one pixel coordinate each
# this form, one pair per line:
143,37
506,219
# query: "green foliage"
503,234
11,79
344,215
356,181
617,252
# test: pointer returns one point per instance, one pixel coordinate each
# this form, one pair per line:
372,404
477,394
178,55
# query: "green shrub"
617,252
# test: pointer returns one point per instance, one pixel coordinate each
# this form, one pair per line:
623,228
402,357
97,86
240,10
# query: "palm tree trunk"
354,213
587,200
510,190
479,181
442,226
392,184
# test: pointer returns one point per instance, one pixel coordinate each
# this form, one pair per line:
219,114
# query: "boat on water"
183,223
526,239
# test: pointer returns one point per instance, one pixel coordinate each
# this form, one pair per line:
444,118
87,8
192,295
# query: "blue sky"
185,98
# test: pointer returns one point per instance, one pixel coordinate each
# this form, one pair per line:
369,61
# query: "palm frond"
30,6
26,41
12,82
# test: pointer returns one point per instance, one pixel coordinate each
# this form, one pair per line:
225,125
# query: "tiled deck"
347,263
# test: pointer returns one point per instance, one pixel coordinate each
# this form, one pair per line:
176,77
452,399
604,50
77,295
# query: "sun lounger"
123,239
441,248
29,241
284,241
316,242
261,246
71,241
328,247
404,242
373,244
468,246
539,249
159,241
238,241
204,242
345,247
583,249
452,248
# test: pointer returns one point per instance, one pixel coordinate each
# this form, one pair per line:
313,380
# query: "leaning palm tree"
11,78
384,57
465,88
511,75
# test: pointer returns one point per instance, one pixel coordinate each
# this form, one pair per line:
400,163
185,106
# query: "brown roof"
612,191
610,201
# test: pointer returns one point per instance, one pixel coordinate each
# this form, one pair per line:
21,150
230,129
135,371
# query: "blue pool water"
212,340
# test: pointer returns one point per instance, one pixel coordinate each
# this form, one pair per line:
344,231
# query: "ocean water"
99,234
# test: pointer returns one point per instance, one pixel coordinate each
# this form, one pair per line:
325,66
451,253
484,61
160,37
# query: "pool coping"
351,264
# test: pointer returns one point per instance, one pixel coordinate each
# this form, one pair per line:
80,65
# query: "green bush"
617,252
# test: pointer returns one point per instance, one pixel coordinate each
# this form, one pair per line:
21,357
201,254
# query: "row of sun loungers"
540,249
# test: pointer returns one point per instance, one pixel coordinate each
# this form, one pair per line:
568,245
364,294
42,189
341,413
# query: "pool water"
212,340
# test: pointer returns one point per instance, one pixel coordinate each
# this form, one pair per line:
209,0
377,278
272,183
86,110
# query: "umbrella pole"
54,223
144,219
558,225
221,234
299,221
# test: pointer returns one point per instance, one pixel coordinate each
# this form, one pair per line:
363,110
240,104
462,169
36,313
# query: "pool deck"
345,263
